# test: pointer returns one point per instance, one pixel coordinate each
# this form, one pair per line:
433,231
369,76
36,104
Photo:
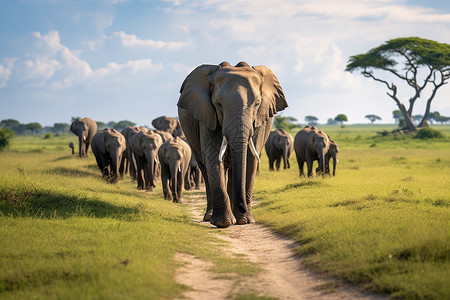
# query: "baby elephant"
174,157
108,146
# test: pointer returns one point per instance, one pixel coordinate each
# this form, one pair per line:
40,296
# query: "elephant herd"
225,118
145,154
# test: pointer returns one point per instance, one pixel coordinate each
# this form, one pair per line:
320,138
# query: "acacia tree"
311,120
423,64
372,118
341,118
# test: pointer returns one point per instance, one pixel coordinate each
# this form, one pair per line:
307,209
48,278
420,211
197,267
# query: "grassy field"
66,234
383,222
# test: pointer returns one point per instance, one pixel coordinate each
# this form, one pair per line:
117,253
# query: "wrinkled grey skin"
145,146
85,129
238,104
108,146
193,175
279,146
311,144
168,124
332,153
128,160
174,156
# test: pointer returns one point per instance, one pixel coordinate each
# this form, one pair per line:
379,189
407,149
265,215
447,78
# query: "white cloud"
6,70
131,40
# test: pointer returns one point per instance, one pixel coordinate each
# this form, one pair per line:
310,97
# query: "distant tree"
5,135
397,115
331,121
341,118
434,116
123,124
60,128
311,120
443,119
9,123
372,118
110,124
417,118
286,123
101,125
34,127
424,65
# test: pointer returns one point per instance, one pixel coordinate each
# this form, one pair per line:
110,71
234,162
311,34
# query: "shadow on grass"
70,172
302,184
41,203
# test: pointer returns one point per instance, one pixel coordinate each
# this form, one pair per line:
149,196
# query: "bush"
429,133
48,136
5,136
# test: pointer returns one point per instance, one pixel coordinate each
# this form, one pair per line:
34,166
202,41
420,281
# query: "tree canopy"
286,123
311,120
341,118
372,118
420,63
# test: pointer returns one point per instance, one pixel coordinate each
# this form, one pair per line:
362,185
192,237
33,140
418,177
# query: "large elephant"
193,174
279,145
145,146
174,156
226,112
168,124
128,161
108,146
311,144
85,129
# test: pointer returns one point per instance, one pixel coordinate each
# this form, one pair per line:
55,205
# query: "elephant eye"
219,104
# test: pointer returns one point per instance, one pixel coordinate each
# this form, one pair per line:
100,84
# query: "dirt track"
283,275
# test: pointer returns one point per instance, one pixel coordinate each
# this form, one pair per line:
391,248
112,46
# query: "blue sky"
126,60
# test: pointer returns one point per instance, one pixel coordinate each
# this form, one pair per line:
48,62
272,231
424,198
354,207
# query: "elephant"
227,112
332,153
145,146
311,144
71,146
108,146
128,161
193,175
279,145
174,156
168,124
85,129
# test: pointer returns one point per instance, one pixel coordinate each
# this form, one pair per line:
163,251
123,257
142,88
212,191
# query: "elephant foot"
208,215
222,221
176,201
243,219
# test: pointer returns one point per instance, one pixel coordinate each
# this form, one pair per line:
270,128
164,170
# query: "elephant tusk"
223,148
337,160
156,161
253,149
179,169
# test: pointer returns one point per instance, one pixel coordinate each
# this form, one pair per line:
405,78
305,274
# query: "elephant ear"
101,143
135,144
157,122
273,99
196,95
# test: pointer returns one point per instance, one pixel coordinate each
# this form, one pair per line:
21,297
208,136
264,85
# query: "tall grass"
67,234
383,222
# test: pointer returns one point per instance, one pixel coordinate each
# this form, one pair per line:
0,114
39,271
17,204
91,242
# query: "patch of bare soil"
282,277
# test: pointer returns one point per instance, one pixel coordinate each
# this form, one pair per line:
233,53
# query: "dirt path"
283,276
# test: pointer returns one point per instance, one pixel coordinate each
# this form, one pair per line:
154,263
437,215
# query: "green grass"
67,234
383,222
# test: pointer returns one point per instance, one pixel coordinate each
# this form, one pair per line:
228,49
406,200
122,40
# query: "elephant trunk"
334,165
81,145
239,161
285,156
174,171
151,165
116,158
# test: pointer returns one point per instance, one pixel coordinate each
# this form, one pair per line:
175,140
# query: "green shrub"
429,133
48,136
5,136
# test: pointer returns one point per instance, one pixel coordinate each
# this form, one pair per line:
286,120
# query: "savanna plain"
381,224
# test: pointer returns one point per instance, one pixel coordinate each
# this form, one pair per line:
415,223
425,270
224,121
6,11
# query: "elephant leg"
209,206
309,164
271,162
278,162
139,173
222,215
87,148
165,177
187,179
179,187
197,176
133,166
102,164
